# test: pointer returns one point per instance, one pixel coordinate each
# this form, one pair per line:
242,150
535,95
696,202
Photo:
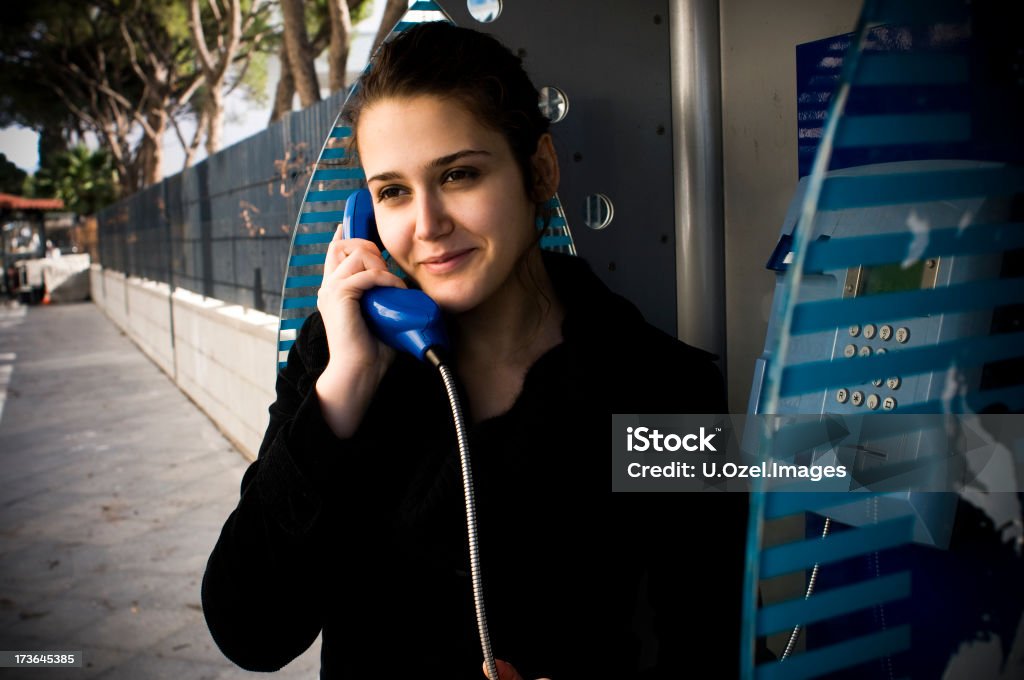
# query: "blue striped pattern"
340,131
840,253
333,154
799,555
303,281
834,602
839,193
338,173
784,504
827,314
313,238
299,302
332,195
886,130
910,68
808,377
307,260
295,324
820,662
319,216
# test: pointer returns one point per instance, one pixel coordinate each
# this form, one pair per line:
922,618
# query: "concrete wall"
222,356
758,44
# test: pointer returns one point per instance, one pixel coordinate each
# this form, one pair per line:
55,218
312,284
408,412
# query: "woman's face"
448,196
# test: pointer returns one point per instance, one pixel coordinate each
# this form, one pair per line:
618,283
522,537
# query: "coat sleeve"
265,579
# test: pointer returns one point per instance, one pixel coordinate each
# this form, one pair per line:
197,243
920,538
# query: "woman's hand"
506,671
358,360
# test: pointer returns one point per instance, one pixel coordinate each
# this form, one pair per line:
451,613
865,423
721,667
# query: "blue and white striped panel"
333,180
953,198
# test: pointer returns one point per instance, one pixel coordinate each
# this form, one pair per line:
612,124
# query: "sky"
243,118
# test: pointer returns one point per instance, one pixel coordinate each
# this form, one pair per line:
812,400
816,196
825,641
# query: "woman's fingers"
506,671
341,249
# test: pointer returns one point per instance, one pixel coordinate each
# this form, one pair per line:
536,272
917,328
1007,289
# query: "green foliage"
362,11
85,180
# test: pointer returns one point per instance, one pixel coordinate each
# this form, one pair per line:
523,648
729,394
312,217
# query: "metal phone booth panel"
897,324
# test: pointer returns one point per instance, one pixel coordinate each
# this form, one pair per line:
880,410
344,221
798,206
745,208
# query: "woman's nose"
432,219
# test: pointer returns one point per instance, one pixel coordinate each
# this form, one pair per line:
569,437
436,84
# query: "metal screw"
660,130
657,18
930,263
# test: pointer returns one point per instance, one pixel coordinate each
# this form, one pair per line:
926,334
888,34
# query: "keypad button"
885,332
864,351
857,398
877,382
869,331
872,401
902,334
850,351
854,330
881,350
893,383
842,395
888,403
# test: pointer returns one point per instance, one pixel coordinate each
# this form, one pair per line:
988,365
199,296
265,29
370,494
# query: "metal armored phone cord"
810,589
467,490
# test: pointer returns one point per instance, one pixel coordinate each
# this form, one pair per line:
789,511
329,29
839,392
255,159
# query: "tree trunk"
341,41
153,149
393,11
214,120
300,57
285,92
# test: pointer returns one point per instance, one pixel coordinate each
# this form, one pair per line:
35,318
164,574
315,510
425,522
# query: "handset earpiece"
405,319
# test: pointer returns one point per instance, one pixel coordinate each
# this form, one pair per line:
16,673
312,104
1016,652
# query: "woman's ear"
545,169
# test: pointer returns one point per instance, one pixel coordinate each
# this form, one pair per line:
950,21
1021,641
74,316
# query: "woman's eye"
388,192
460,175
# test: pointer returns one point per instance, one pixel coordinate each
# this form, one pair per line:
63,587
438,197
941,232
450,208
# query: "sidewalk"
113,490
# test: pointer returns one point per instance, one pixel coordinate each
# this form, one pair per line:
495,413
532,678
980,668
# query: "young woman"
352,520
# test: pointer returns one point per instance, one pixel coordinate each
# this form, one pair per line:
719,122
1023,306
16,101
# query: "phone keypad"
881,334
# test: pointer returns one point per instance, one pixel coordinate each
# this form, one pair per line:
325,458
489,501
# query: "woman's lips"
446,262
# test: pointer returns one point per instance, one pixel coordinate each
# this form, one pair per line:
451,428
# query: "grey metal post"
697,158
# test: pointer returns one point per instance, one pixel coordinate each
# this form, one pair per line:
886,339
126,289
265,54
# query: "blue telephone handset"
410,321
405,319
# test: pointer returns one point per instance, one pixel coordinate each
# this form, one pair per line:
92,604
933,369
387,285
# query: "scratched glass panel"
899,290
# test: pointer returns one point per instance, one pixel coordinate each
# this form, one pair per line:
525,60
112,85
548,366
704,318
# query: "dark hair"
443,60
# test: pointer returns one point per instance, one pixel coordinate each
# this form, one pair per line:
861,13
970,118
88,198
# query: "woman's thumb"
506,671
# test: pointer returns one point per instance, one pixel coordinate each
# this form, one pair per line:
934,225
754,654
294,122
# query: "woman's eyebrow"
452,157
436,163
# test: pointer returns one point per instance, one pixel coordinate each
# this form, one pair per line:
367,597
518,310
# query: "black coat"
365,538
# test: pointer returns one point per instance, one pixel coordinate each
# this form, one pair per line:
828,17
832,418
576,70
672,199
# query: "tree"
85,180
333,21
117,68
229,34
393,11
12,178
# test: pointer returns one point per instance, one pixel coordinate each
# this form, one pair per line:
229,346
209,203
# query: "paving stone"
114,491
